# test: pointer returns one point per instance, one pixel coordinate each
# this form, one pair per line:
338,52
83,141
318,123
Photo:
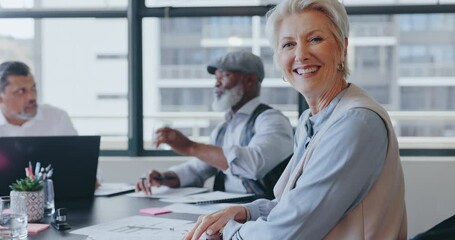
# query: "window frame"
136,11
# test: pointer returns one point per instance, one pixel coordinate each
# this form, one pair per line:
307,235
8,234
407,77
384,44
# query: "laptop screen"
74,160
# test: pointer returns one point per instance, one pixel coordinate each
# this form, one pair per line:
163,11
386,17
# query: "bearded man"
253,139
21,114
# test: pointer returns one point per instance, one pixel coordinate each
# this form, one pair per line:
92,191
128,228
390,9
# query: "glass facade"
183,88
385,55
63,4
80,66
404,61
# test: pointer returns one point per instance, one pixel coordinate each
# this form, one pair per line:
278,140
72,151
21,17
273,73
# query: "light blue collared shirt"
271,143
341,171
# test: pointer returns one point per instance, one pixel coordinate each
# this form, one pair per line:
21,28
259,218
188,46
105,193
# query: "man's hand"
155,178
179,142
212,155
212,224
97,184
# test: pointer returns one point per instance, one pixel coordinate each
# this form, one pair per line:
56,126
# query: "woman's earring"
340,66
284,80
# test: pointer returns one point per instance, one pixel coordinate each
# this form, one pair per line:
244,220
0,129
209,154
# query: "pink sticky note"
154,211
7,211
34,228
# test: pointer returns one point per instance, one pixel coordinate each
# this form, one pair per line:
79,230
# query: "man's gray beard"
229,98
22,115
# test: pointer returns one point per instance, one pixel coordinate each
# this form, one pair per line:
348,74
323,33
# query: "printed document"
167,192
109,189
197,209
138,228
210,197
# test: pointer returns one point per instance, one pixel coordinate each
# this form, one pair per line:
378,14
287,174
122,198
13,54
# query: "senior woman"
345,180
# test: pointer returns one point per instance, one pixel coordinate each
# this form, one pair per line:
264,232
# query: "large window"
405,61
63,4
84,71
79,65
178,91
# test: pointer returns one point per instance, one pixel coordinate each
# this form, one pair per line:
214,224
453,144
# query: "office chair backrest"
271,178
442,231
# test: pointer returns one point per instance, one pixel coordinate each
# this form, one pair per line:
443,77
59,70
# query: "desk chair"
442,231
262,188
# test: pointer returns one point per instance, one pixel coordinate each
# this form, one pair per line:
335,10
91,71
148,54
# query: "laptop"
74,160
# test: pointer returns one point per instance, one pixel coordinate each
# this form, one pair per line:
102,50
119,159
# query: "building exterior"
405,61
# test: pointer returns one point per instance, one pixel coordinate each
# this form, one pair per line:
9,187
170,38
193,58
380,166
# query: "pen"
30,167
30,173
146,184
37,169
159,178
164,178
49,174
151,228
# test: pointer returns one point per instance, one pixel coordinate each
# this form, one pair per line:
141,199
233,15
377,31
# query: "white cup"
13,217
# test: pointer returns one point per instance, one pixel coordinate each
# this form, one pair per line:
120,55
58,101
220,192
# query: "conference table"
88,212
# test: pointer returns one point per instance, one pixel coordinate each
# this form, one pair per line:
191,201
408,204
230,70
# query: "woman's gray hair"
333,9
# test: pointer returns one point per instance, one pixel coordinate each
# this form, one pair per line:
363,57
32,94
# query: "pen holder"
49,205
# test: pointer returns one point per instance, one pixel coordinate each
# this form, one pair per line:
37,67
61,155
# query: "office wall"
430,195
129,169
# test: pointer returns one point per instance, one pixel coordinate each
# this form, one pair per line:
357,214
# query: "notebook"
74,160
167,192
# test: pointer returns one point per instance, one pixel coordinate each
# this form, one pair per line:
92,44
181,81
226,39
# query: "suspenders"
248,132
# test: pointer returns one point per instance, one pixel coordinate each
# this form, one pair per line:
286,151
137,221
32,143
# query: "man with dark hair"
20,113
252,140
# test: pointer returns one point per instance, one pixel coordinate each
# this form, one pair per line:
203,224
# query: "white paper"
207,197
138,228
197,209
106,189
167,192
